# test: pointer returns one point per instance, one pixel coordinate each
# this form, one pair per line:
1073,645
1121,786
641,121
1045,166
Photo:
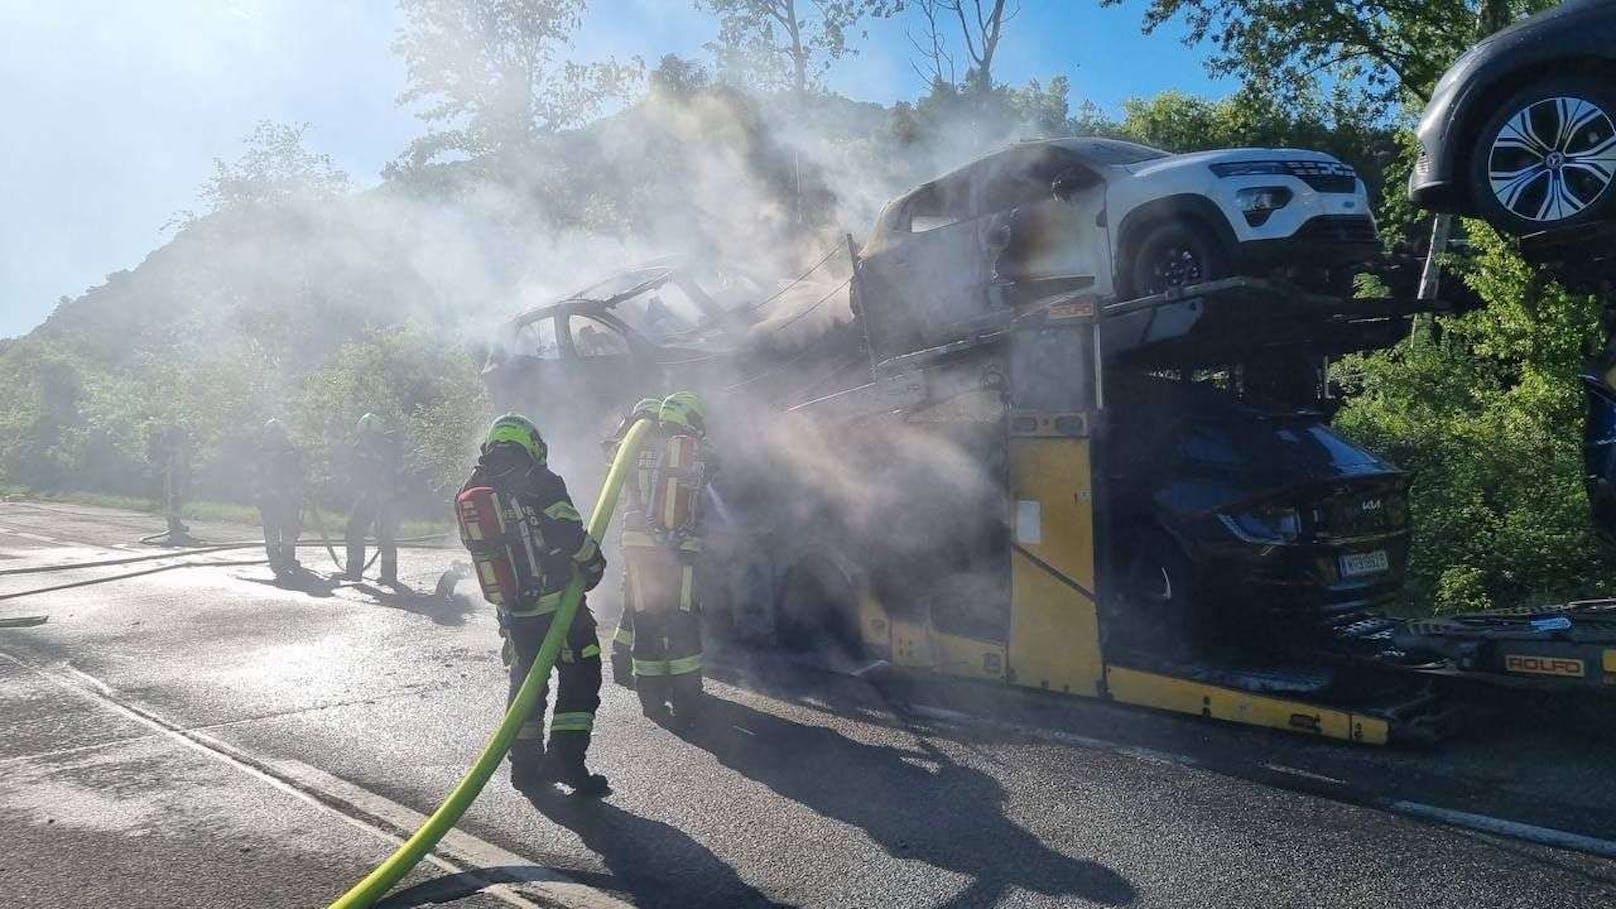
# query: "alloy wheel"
1175,267
1553,159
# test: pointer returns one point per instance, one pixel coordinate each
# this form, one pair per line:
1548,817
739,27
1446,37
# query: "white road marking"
1481,823
1486,823
1304,774
386,820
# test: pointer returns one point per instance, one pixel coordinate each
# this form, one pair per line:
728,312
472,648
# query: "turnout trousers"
660,633
382,513
283,523
577,688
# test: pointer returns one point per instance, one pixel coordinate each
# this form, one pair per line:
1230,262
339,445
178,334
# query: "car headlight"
1266,524
1259,202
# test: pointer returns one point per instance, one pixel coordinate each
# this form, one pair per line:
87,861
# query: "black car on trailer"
1521,130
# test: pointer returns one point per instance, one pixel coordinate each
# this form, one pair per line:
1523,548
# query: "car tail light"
1264,523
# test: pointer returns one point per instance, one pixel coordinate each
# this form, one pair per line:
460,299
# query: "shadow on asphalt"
452,887
304,582
656,864
449,611
917,804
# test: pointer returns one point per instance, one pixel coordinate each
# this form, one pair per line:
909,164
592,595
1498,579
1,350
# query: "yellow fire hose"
406,856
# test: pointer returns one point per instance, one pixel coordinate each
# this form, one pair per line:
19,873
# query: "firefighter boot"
528,772
685,695
565,765
653,692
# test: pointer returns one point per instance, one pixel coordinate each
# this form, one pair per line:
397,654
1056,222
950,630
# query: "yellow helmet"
517,430
645,407
685,408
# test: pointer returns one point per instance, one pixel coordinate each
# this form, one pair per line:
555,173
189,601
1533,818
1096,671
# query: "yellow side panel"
1054,627
968,657
1148,689
910,646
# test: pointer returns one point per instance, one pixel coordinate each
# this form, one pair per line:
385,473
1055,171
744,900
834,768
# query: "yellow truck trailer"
1001,576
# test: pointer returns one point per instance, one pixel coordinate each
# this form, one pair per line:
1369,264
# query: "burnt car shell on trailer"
1287,524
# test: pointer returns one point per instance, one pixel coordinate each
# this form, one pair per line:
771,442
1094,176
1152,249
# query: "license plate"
1358,564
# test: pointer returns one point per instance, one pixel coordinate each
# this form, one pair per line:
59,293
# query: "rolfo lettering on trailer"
1539,665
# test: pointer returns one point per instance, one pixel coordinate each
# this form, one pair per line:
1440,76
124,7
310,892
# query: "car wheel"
1157,586
1175,254
1546,158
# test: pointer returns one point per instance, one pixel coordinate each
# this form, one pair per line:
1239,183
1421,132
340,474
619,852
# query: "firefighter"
280,497
547,544
375,475
632,526
169,452
659,555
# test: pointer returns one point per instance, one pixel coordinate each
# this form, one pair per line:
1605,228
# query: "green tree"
787,44
42,434
970,25
1389,51
274,170
490,77
1183,123
428,390
1485,415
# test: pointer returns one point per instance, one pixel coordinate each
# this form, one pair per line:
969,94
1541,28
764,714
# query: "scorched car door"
928,276
1050,232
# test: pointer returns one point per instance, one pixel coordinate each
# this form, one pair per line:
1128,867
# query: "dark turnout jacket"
542,498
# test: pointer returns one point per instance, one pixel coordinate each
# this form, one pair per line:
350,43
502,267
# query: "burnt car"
1521,130
575,362
1243,525
612,341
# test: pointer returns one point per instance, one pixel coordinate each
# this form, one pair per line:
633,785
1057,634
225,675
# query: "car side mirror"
1067,185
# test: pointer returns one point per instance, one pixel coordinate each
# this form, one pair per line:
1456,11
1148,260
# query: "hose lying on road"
23,621
408,543
129,574
465,792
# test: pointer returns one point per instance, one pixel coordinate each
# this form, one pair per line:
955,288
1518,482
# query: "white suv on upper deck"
1115,218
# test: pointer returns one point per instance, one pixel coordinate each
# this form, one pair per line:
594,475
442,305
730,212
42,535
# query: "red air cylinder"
483,531
678,485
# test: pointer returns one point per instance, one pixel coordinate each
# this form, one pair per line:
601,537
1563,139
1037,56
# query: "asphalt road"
202,737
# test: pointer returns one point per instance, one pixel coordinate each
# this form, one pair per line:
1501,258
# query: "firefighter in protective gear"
280,492
632,523
375,479
662,539
169,452
547,544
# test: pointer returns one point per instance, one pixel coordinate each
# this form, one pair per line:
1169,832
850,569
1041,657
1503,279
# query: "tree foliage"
489,76
274,170
1486,416
1389,51
787,44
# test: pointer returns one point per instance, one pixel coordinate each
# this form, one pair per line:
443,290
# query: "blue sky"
117,110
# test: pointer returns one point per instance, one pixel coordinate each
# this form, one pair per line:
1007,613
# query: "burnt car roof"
607,292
